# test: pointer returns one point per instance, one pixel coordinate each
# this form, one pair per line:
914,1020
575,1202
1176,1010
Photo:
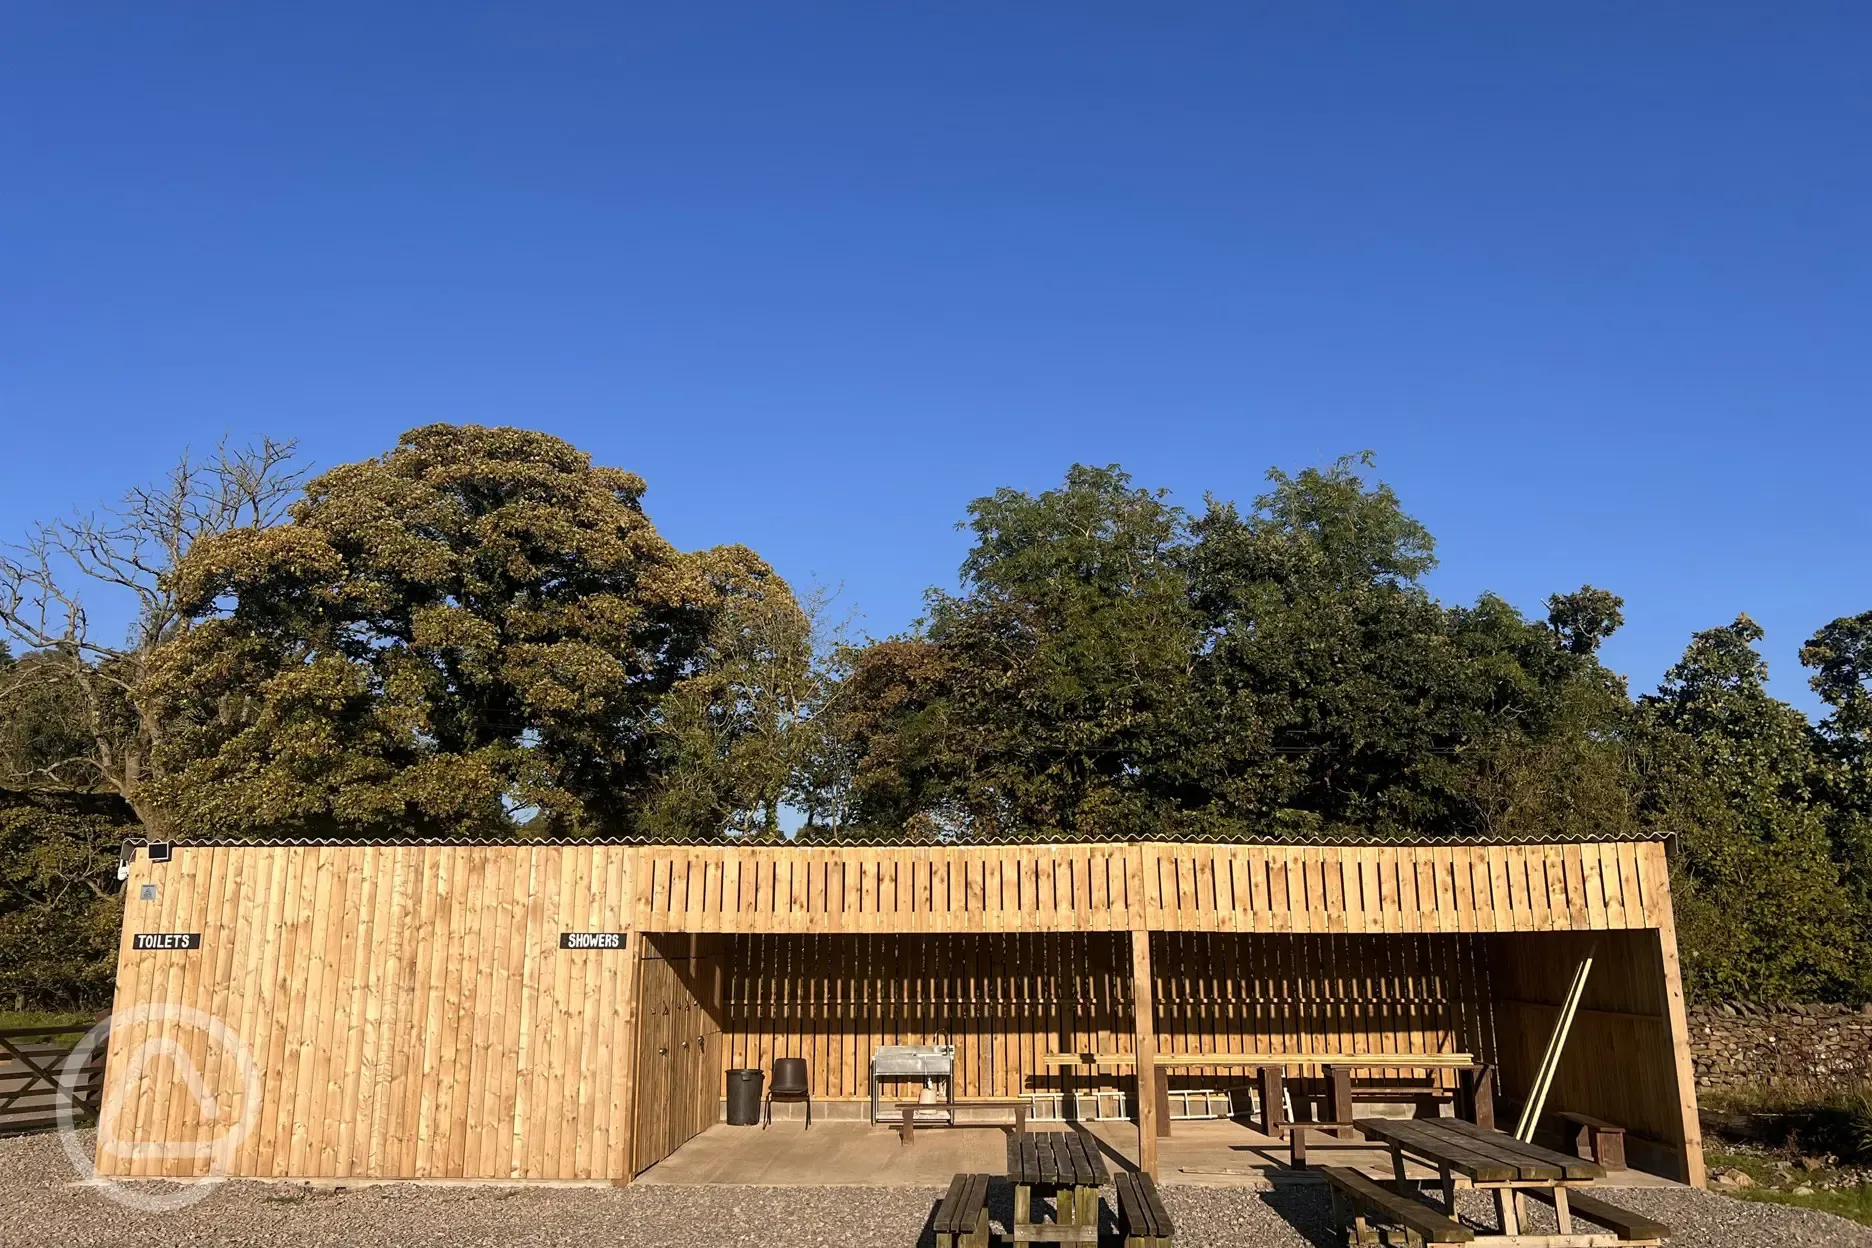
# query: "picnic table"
1495,1162
1063,1165
1474,1093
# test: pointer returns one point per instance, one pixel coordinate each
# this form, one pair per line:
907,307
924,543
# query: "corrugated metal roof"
877,841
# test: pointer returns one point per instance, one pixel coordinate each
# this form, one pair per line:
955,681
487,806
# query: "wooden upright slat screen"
1006,1001
1159,887
1002,1000
1227,994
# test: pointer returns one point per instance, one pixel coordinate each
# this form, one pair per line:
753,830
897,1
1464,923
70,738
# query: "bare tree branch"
127,551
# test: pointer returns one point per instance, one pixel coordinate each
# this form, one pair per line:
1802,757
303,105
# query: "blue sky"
1591,279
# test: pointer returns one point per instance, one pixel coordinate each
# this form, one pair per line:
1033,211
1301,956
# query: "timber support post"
1682,1066
626,1079
1144,1008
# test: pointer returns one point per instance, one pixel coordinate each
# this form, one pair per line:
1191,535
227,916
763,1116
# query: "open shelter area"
569,1011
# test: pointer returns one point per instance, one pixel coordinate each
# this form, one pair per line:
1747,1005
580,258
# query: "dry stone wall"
1736,1043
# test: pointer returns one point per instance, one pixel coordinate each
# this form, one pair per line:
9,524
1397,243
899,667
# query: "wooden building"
567,1010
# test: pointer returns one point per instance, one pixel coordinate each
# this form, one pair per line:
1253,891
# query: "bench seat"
1596,1139
1363,1194
962,1218
1143,1222
1630,1227
907,1114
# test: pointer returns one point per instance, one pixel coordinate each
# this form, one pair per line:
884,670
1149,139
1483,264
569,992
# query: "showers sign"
591,940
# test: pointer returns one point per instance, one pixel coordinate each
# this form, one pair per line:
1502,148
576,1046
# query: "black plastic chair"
790,1083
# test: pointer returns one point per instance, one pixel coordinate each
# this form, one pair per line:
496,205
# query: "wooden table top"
1483,1156
1056,1159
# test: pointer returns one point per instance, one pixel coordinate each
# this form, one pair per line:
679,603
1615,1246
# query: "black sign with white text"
591,940
167,940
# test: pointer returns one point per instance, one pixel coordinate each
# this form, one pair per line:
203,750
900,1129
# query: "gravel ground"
40,1203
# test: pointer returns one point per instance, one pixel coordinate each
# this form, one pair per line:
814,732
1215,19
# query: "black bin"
744,1093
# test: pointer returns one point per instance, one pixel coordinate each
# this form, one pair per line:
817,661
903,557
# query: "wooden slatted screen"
1005,1001
1158,887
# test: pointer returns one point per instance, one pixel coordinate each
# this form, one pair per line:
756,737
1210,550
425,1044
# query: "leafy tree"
1548,747
104,696
1732,770
1110,664
743,728
1038,697
1584,618
1325,666
59,907
1335,690
1841,653
60,911
477,629
44,744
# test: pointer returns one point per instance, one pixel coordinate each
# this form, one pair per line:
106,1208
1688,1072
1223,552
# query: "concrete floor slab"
1216,1153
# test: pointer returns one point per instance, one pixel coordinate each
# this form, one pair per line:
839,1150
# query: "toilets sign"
166,940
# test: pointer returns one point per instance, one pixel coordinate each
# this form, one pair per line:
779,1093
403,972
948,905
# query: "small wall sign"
591,940
167,940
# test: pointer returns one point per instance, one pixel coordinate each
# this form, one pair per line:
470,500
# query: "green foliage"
1841,653
477,629
1732,771
1111,665
43,737
59,908
1815,1117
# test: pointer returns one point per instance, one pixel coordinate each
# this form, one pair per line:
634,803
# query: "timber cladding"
566,1010
1156,887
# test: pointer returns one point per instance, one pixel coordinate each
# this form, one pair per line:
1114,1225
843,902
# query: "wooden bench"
1143,1222
907,1112
1354,1196
1631,1228
962,1218
1596,1140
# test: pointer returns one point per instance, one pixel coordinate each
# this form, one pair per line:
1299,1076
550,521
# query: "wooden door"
679,1047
